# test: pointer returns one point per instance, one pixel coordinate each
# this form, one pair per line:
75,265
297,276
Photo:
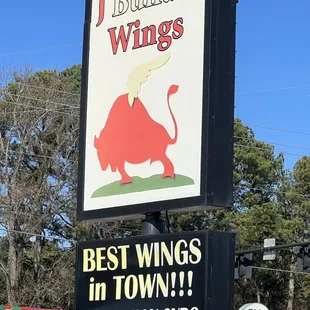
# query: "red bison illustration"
131,135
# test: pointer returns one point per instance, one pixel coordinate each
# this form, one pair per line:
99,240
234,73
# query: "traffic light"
243,266
303,259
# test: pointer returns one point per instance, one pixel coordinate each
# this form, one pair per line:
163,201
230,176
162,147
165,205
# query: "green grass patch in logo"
141,185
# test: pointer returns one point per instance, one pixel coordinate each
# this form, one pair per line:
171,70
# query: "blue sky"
272,53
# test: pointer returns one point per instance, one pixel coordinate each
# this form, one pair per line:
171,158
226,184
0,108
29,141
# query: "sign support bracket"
153,224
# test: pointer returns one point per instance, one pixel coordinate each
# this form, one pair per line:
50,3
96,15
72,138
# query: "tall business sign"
157,107
156,134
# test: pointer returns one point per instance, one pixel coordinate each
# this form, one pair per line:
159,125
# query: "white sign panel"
143,97
269,255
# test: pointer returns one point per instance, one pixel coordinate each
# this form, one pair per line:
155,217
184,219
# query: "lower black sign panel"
164,272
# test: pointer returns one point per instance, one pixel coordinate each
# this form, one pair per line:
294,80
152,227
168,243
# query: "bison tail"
172,90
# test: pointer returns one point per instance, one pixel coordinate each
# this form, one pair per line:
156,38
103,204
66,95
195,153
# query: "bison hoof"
168,175
125,181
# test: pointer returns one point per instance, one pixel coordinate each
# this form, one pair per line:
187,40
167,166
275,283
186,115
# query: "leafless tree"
39,123
38,140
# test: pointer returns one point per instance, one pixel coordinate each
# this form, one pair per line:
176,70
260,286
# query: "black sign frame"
218,121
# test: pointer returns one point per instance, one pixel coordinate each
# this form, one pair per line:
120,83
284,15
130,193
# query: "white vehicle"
254,306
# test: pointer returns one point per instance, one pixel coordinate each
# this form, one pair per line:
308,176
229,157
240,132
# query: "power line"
238,137
34,109
37,235
41,50
45,88
275,191
70,106
41,100
263,149
35,155
272,248
260,16
236,144
280,270
278,144
42,156
291,7
77,107
272,89
279,129
19,112
23,112
273,31
38,108
239,93
8,212
245,92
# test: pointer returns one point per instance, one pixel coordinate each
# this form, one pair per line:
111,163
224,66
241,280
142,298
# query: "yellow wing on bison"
140,75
